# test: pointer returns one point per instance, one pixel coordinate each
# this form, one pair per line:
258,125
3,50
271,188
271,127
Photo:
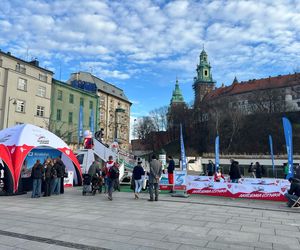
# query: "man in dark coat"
37,175
154,176
234,171
294,193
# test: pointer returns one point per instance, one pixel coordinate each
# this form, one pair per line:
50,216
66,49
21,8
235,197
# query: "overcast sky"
142,46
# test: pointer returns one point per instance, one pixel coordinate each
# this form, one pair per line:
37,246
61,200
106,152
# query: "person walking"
234,171
154,176
112,171
171,168
37,175
138,172
47,168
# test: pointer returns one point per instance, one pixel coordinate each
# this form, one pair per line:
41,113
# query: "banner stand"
180,193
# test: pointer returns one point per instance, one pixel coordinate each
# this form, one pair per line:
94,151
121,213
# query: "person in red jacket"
218,176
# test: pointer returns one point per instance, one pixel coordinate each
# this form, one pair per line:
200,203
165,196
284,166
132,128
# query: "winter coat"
137,173
234,172
155,171
37,171
171,167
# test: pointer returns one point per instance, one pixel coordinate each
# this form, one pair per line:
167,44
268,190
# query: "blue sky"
142,46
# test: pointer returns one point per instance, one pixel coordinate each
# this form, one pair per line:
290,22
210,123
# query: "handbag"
65,174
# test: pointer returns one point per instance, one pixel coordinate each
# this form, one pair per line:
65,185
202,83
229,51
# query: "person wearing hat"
137,174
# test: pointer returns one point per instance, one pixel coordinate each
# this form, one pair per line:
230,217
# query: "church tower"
177,97
204,82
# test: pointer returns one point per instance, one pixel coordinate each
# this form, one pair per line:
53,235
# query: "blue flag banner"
272,154
287,127
80,124
217,153
92,122
183,157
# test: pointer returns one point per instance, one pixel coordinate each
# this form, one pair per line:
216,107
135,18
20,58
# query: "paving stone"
288,241
221,246
254,229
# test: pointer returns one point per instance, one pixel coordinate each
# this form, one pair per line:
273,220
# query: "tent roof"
28,134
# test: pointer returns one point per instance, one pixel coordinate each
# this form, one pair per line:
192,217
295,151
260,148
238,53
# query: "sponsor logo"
42,140
67,151
12,150
5,138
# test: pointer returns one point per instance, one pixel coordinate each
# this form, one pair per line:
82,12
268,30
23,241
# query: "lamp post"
14,103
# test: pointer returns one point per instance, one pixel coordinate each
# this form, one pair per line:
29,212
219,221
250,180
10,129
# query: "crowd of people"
50,175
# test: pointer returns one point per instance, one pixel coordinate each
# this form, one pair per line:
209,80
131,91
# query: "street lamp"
14,103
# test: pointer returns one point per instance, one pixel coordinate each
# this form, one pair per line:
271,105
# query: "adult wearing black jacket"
37,175
294,193
48,170
234,171
62,169
171,168
137,174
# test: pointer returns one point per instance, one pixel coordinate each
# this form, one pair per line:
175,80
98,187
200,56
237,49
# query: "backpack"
114,172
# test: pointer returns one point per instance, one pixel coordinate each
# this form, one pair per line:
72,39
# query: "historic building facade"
203,82
25,92
113,108
64,120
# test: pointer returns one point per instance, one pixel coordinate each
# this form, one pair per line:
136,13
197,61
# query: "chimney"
34,62
8,53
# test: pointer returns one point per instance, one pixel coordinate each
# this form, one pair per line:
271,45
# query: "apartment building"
113,109
65,108
25,92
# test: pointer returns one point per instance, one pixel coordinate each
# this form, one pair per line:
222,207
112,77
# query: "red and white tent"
5,157
21,139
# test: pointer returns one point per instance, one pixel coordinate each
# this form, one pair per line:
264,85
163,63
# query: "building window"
19,123
41,91
21,68
40,110
81,102
59,95
205,72
91,105
58,115
71,98
69,137
20,106
70,117
43,77
22,84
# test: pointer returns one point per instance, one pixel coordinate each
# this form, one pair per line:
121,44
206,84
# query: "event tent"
6,159
21,139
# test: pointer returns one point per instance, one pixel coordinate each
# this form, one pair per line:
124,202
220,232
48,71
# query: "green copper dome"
177,95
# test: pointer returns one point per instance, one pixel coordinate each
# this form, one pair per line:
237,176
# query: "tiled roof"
252,85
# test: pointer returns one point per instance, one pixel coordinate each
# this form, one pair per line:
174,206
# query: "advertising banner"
68,181
37,154
217,154
183,157
180,180
80,124
287,127
263,189
272,154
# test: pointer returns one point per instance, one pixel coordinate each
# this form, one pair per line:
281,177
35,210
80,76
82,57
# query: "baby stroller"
90,184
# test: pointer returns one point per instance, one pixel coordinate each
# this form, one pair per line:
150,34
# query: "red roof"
252,85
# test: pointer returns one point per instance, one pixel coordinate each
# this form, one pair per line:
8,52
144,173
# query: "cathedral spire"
177,95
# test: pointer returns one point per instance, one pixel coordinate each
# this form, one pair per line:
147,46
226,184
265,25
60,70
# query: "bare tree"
159,117
143,127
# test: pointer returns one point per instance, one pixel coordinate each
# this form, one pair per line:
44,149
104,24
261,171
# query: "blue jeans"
36,188
110,184
138,185
54,186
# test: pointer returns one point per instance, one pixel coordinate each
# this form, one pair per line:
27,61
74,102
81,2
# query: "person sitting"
218,176
294,193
